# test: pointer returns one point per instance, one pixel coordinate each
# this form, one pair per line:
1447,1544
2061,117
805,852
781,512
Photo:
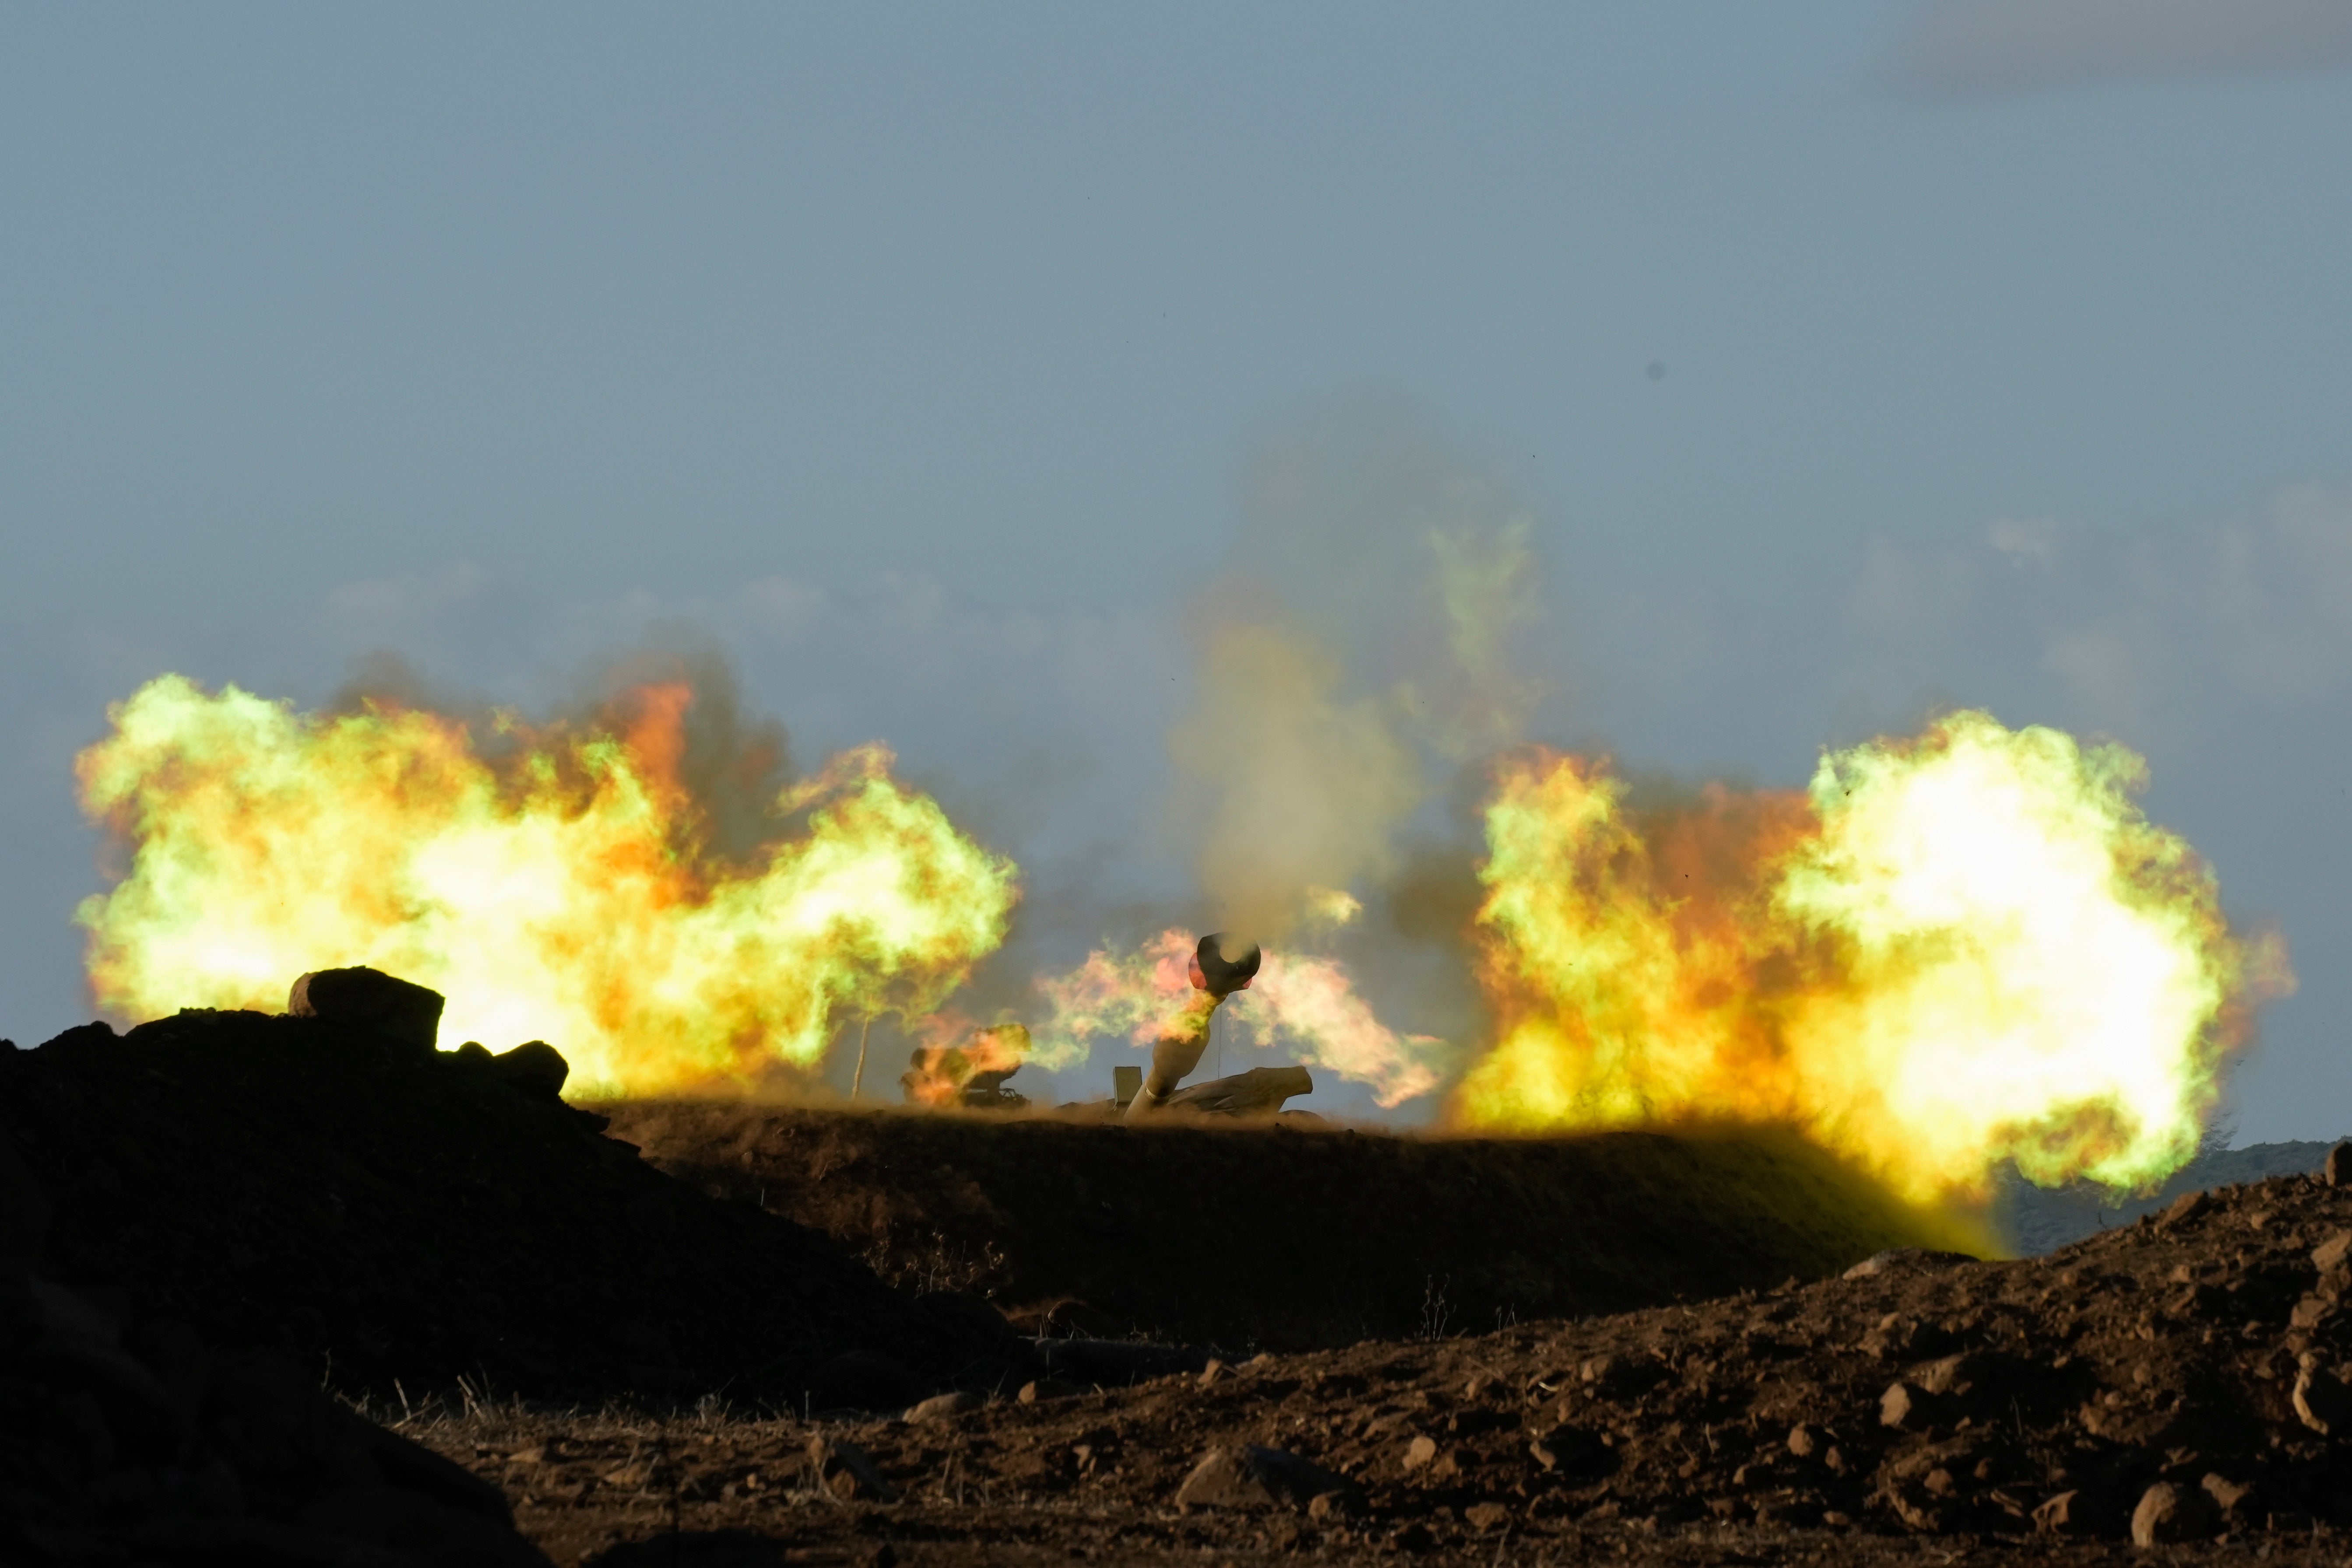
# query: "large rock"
1258,1477
369,1000
2167,1513
534,1067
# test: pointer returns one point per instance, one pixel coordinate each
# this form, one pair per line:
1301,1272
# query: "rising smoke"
1355,653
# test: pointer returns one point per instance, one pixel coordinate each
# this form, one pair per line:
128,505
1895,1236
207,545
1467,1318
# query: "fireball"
1948,951
559,885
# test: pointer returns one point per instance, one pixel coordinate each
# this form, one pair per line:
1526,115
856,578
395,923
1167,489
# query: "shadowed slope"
1286,1236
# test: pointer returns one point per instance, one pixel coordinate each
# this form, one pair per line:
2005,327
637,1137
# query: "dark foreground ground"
1927,1410
1281,1236
212,1227
395,1219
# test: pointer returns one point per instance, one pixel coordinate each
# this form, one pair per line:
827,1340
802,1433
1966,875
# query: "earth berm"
244,1184
2181,1382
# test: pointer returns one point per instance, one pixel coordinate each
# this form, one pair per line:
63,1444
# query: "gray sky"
1851,358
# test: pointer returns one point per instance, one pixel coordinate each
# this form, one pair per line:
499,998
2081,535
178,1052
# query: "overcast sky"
1852,358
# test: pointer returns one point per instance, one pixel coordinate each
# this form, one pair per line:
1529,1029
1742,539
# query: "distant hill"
2043,1219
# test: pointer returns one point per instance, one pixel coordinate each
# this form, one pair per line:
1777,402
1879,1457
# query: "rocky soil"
2034,1220
2181,1383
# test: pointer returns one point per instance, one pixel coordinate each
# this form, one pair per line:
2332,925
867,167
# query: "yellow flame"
1306,1002
563,890
1330,908
941,1072
1953,950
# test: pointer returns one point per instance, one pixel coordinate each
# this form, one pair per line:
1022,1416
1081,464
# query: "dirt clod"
1254,1476
2169,1513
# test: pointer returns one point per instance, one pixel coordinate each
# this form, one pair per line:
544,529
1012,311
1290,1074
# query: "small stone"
2227,1494
1802,1441
1923,1516
1324,1506
2321,1402
2337,1170
1899,1406
1545,1457
1487,1517
1951,1374
1939,1482
2062,1515
2185,1208
1419,1454
2330,1254
1216,1372
2167,1513
940,1406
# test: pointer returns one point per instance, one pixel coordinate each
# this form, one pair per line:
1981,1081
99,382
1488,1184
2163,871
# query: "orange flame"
939,1073
564,888
1950,950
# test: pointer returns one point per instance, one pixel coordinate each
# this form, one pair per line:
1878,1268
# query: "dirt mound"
130,1441
385,1214
2180,1381
1269,1236
2043,1219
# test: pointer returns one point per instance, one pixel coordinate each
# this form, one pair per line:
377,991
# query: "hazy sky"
1851,358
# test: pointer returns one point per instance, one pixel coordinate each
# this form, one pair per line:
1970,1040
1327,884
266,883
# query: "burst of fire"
1949,950
563,886
1306,1001
939,1073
